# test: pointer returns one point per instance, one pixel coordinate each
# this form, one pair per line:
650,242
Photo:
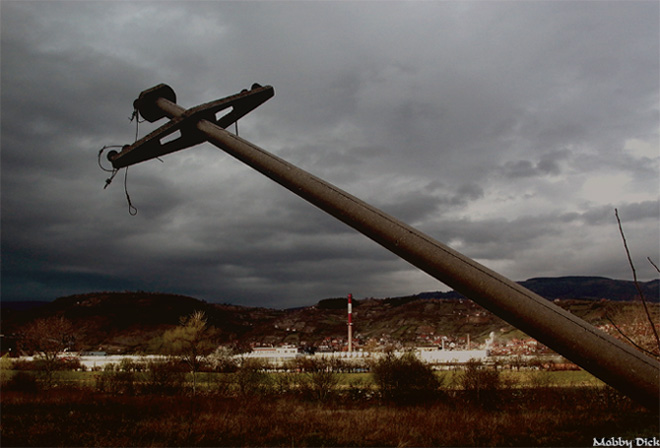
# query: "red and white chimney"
350,323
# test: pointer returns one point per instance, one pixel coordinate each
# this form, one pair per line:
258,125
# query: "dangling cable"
132,210
136,116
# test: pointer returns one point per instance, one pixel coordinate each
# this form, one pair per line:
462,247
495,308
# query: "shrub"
358,391
481,383
23,382
319,380
284,383
6,364
222,361
70,363
129,365
251,378
164,377
117,381
221,384
38,363
405,379
23,364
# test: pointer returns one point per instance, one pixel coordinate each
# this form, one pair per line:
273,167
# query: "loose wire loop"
107,170
132,210
113,171
135,115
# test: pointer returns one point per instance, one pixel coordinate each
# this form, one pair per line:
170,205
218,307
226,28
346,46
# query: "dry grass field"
267,410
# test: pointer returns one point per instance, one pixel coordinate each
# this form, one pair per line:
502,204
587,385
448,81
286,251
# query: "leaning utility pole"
621,366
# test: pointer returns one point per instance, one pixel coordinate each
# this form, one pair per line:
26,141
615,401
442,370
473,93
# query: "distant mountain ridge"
577,287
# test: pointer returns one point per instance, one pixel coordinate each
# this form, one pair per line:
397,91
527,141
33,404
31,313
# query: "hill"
588,288
127,322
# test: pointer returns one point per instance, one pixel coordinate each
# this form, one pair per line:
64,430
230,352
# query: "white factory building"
277,356
272,355
437,356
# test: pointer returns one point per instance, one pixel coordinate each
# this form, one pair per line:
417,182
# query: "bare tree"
640,293
46,338
192,342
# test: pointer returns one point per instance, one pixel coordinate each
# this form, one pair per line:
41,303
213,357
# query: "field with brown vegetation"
253,408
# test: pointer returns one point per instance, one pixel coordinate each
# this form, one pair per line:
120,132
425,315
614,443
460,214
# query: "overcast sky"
508,130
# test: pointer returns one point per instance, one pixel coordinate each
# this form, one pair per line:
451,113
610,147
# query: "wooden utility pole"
621,366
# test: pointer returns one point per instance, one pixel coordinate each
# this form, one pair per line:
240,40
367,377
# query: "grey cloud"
605,215
547,165
647,210
467,192
521,168
508,238
428,110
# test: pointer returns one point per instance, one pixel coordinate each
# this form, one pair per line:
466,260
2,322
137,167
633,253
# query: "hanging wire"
132,210
136,116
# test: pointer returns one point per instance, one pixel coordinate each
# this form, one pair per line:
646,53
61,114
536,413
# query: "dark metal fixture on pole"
621,366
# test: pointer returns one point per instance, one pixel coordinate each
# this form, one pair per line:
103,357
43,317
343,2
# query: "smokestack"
350,323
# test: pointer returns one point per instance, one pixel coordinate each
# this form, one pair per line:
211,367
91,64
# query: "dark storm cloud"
508,130
549,164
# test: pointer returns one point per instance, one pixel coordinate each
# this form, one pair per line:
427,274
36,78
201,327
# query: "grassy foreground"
208,380
557,414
